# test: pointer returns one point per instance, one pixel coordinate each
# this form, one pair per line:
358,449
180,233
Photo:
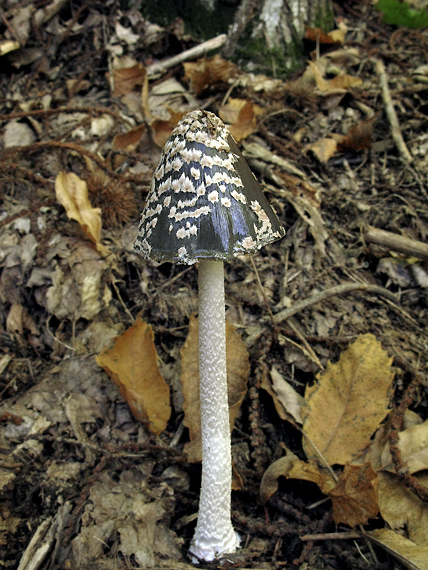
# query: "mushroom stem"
214,532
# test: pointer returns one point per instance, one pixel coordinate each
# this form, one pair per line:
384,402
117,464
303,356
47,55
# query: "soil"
84,484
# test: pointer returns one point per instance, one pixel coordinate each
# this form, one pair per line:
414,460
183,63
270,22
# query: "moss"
324,20
200,22
255,55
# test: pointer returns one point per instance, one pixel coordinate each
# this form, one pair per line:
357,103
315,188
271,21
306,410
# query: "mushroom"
206,207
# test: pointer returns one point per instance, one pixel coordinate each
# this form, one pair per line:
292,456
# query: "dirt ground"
83,483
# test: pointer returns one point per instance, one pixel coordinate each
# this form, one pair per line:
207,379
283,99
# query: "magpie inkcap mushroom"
205,206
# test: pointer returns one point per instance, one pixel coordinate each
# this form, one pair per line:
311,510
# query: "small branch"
193,53
332,292
391,114
408,246
331,536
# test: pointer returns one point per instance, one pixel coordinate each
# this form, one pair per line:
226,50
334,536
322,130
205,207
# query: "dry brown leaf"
288,403
348,403
323,149
359,136
240,117
402,509
126,79
411,555
132,365
205,72
238,368
72,193
355,495
162,129
413,445
129,141
291,467
318,35
343,81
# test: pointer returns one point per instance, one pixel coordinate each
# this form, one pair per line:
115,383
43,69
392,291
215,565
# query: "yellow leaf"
72,193
348,402
355,495
238,368
411,555
132,365
402,509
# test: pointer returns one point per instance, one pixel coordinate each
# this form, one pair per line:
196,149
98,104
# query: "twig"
391,114
408,246
331,536
193,53
332,292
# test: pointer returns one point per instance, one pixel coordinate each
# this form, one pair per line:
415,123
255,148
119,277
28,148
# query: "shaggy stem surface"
214,533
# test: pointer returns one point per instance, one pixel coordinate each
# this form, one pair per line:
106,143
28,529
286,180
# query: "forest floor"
341,150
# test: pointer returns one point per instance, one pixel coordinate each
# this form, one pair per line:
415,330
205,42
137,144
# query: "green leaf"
402,14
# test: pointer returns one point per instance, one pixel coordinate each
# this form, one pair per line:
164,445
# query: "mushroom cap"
204,201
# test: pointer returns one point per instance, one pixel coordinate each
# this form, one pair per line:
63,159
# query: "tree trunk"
265,36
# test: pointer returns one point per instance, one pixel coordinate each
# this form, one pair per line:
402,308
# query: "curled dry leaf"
132,365
288,403
411,555
291,467
348,403
72,193
355,495
162,129
238,367
413,445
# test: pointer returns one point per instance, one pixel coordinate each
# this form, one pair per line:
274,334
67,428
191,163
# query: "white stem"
214,533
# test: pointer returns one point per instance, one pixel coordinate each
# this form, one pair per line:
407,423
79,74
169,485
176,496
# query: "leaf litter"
96,469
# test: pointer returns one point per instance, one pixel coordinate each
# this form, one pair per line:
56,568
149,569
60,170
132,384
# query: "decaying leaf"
413,445
402,509
348,403
209,71
411,555
291,467
343,81
238,367
132,365
240,116
355,495
72,193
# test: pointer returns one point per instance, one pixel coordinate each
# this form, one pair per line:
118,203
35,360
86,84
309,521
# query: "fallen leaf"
355,495
318,35
127,79
72,193
359,137
291,467
343,81
209,71
132,365
323,149
348,403
286,400
413,445
402,509
240,117
162,129
129,141
411,555
238,367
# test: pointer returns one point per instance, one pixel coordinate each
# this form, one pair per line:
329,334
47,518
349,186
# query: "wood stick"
192,53
408,246
391,114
